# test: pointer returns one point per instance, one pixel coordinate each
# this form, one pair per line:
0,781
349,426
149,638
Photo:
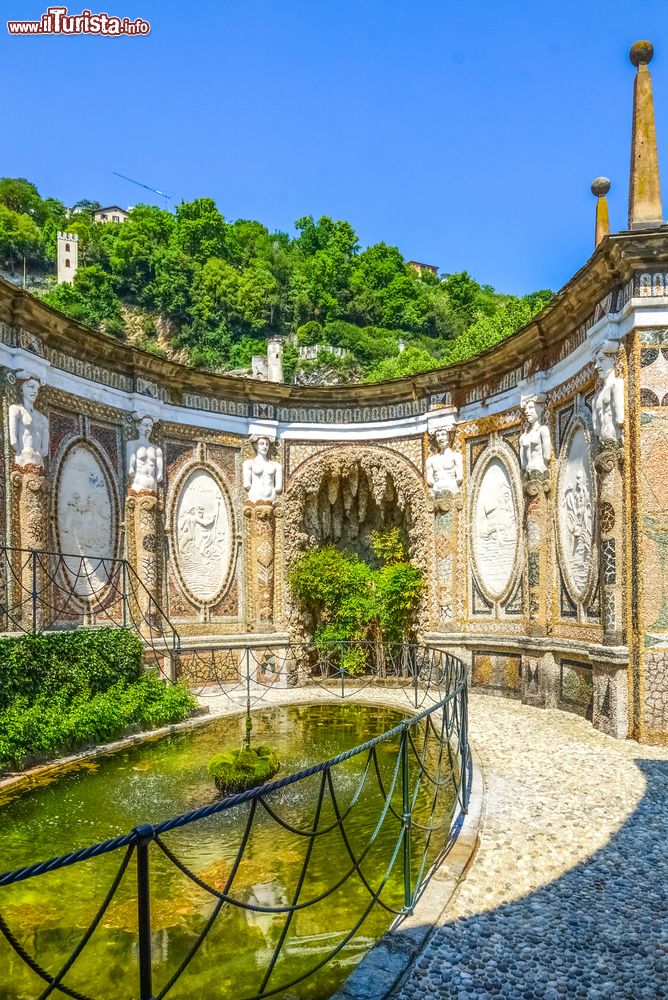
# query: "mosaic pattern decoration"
654,376
500,671
577,686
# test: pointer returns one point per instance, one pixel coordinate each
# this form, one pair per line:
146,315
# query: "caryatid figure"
445,469
608,408
145,463
263,477
28,428
535,443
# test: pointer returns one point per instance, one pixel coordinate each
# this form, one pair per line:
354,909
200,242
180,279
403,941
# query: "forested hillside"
209,292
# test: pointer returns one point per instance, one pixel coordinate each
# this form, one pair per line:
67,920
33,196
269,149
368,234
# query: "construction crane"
167,195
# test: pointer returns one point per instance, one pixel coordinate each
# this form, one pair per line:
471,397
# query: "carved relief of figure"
444,470
28,428
535,443
498,521
202,532
145,463
579,521
263,477
608,408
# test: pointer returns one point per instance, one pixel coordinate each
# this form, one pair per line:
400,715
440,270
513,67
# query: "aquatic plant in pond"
152,783
247,767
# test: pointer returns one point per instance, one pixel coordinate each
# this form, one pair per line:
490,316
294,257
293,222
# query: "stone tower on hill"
68,257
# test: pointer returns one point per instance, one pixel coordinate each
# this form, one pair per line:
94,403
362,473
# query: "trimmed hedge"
87,661
66,690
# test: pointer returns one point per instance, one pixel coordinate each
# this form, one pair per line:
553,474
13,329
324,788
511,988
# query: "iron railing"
417,778
42,591
246,675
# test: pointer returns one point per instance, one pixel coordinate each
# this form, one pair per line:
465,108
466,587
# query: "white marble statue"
28,428
444,470
608,408
263,478
535,443
145,464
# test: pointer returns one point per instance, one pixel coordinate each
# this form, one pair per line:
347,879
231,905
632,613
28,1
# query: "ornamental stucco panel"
85,519
576,513
495,524
202,535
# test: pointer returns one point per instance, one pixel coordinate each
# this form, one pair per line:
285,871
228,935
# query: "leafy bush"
54,725
65,690
351,600
67,664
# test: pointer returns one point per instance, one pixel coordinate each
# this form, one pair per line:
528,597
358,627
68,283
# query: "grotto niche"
341,495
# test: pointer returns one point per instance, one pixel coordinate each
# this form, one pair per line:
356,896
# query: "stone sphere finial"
641,53
600,186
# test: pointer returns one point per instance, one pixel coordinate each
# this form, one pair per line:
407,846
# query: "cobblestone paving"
568,894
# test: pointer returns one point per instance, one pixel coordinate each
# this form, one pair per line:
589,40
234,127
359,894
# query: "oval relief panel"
576,515
495,529
203,530
86,521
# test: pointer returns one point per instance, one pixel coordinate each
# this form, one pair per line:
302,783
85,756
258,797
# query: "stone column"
609,466
29,440
144,524
260,519
537,518
31,507
143,519
447,508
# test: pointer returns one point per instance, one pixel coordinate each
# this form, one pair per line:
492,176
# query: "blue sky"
465,133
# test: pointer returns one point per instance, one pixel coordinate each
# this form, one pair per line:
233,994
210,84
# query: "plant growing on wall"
350,600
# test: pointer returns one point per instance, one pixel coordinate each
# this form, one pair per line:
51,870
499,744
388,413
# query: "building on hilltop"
416,265
112,213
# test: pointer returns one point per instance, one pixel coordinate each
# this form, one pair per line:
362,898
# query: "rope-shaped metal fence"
43,591
413,796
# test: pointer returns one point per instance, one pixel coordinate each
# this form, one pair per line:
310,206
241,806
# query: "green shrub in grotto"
351,600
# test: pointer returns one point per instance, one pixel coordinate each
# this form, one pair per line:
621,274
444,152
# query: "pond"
110,795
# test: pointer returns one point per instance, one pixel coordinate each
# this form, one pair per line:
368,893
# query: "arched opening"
67,248
67,262
343,494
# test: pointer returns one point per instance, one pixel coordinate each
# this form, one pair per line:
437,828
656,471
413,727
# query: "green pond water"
101,798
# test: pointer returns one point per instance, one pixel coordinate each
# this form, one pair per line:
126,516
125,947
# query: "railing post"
33,556
124,592
413,661
248,678
144,838
406,820
464,738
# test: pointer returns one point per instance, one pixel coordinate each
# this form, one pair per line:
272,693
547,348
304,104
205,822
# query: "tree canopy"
217,289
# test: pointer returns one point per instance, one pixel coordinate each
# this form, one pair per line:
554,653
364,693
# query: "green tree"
257,296
19,237
200,231
138,246
91,299
20,196
412,361
216,294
